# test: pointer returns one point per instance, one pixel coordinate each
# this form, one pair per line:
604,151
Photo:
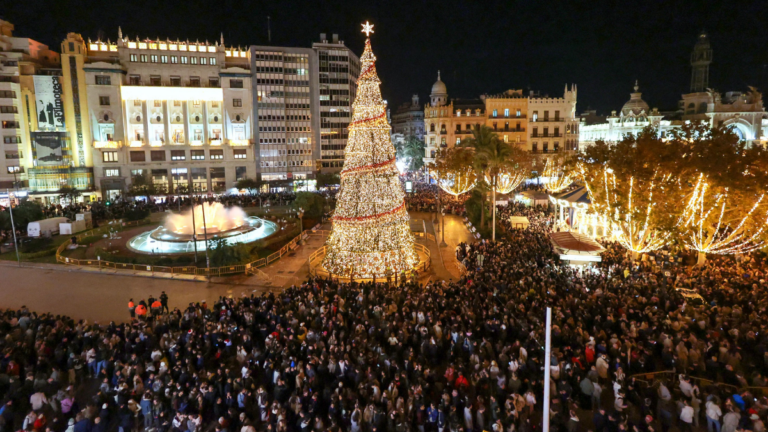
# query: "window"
104,100
203,60
134,58
153,58
103,80
8,94
174,59
535,116
193,60
517,113
506,138
237,102
557,115
546,115
164,59
157,155
175,81
154,80
178,155
213,82
157,103
184,60
495,113
213,61
177,103
8,109
458,140
111,172
217,154
545,147
240,172
506,112
535,132
13,154
143,58
138,156
194,81
198,154
109,156
236,83
134,80
240,154
12,140
557,131
535,147
10,125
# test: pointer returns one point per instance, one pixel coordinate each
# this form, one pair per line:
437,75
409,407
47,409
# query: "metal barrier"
672,376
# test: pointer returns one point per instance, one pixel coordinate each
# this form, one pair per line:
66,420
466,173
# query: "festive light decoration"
630,222
708,232
371,234
453,170
506,182
559,178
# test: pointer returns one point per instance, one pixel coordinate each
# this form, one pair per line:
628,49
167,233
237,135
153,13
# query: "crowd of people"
448,356
424,198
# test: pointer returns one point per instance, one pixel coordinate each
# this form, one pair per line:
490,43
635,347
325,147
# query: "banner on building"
49,147
50,109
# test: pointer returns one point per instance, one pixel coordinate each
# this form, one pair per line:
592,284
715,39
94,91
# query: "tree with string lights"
371,235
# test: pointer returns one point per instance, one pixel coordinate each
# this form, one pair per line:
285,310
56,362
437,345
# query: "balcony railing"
543,151
107,144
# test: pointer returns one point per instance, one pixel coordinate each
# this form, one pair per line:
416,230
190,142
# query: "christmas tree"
371,234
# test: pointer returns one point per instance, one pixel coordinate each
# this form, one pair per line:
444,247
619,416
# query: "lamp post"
13,227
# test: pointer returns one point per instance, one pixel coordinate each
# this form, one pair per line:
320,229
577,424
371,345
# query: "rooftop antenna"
269,30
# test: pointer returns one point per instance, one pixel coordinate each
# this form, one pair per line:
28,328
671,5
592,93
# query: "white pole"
547,355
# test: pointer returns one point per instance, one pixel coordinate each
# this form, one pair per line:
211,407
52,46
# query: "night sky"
481,46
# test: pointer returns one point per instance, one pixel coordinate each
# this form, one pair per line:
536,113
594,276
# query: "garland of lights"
506,182
707,236
559,179
634,235
371,234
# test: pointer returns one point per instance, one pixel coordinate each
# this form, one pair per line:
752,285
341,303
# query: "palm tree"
493,158
482,137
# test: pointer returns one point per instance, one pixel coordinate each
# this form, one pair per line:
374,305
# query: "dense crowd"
424,198
456,356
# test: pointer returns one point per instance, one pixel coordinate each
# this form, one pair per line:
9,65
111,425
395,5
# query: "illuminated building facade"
338,70
742,112
176,113
539,124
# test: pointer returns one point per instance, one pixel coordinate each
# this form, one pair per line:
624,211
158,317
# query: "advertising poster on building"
50,110
48,147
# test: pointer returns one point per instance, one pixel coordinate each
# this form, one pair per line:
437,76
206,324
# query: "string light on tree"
706,223
371,234
559,177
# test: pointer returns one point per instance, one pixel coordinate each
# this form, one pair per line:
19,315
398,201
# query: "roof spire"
438,74
119,32
637,87
222,38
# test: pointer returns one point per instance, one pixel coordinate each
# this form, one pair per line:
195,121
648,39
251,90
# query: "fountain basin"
163,240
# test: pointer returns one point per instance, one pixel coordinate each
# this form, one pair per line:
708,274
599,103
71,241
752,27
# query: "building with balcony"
177,113
448,121
338,71
553,125
408,119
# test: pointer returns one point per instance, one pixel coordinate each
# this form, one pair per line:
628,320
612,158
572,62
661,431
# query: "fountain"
177,236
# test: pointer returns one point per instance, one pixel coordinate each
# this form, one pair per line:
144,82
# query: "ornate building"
408,120
744,113
539,124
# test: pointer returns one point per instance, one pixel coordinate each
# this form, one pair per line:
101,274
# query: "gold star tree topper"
367,29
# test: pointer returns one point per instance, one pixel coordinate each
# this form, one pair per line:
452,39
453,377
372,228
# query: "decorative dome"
438,88
635,105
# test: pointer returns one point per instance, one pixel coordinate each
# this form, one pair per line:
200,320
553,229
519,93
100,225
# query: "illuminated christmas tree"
371,234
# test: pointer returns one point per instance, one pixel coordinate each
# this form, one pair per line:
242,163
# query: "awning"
576,247
577,195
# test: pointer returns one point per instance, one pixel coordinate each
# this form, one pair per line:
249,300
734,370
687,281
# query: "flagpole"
547,360
13,226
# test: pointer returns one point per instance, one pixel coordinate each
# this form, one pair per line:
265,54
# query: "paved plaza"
102,295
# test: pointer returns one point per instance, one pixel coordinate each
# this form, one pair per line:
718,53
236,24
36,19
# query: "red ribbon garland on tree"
362,218
372,166
368,119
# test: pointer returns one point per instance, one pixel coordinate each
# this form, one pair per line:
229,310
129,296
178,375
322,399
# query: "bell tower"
701,57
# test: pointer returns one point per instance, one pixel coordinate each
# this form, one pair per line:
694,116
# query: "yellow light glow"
211,49
113,48
193,48
93,47
215,142
182,47
163,46
136,144
172,93
559,179
106,144
239,143
173,47
156,144
153,45
142,45
196,143
131,44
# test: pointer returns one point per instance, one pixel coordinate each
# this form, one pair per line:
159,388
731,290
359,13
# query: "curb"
77,269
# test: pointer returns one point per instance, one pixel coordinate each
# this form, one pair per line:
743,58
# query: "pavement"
102,295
